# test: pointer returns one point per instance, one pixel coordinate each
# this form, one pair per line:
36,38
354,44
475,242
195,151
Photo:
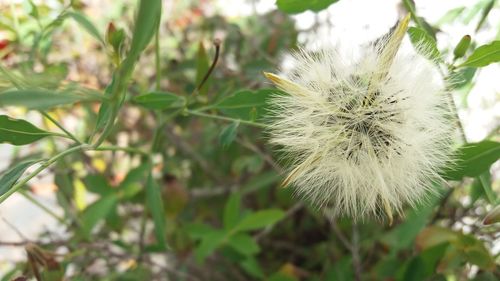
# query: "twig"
339,234
213,116
264,156
212,67
356,259
208,192
295,208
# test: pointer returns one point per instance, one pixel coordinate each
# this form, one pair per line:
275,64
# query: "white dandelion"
366,134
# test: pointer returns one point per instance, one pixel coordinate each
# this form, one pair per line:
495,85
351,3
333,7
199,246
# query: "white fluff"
359,152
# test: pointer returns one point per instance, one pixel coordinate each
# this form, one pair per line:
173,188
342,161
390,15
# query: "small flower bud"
462,47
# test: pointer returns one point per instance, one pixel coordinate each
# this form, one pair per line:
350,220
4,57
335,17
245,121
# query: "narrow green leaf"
299,6
202,65
243,244
260,219
252,267
462,77
232,211
146,24
424,43
245,104
473,159
19,132
41,99
484,55
228,134
96,212
485,13
154,202
10,177
84,22
160,100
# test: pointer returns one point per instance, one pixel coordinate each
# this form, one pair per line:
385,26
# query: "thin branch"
290,212
212,67
55,122
229,119
356,259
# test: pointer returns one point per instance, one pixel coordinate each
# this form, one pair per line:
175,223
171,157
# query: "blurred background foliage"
193,194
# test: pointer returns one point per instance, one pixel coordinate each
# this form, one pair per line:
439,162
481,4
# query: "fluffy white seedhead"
366,130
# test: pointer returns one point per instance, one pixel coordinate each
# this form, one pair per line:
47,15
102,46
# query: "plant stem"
41,206
356,259
121,148
229,119
55,122
42,167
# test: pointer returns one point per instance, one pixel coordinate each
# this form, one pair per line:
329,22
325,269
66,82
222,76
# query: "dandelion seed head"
365,134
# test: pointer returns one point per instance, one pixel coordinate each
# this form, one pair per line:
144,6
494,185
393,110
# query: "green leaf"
98,184
19,132
10,177
202,65
160,100
209,243
96,212
198,230
245,104
484,55
252,267
473,159
154,202
41,99
232,211
146,24
260,219
84,22
424,43
462,77
243,244
299,6
228,134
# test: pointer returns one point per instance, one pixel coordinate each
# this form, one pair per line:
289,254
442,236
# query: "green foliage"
246,105
424,43
19,132
97,212
298,6
10,177
154,202
484,55
228,134
84,22
42,99
473,159
160,100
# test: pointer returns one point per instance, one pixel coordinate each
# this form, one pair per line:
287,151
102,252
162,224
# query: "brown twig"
217,43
